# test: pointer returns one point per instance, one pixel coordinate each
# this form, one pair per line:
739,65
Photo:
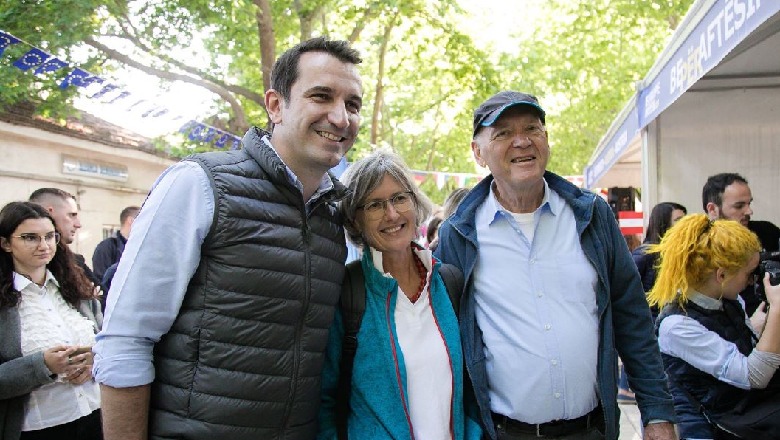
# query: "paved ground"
630,423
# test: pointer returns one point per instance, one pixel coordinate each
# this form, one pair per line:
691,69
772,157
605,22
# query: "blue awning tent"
709,104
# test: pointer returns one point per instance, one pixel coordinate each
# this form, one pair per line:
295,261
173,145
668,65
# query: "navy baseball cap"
486,114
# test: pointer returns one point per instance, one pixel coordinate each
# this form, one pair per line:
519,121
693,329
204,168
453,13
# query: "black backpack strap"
453,281
352,304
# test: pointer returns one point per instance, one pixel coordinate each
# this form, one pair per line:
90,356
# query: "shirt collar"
21,282
326,184
704,301
494,207
425,255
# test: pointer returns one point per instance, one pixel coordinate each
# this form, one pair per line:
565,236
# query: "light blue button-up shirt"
160,257
536,307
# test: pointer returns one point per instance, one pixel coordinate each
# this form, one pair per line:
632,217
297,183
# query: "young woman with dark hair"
48,320
663,216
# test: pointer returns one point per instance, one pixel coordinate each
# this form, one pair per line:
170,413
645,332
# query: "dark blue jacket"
108,252
625,327
645,263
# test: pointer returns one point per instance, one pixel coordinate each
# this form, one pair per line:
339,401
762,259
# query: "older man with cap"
552,295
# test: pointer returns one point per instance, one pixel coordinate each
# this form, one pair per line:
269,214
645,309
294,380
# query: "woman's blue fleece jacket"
379,406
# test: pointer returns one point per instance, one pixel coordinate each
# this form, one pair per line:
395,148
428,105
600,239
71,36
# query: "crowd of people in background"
521,312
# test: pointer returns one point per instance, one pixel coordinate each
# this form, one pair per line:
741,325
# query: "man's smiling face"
514,148
319,121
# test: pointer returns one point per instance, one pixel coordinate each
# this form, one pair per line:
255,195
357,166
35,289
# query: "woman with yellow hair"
720,369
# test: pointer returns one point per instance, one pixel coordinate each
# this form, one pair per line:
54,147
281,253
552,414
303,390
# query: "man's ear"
274,103
713,211
477,154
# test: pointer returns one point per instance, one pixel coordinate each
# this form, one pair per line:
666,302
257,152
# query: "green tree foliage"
55,27
587,65
423,73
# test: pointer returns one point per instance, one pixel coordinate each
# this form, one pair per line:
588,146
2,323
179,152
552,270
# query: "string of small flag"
46,64
95,87
461,180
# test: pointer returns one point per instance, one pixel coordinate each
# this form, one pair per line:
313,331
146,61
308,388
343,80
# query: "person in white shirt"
48,322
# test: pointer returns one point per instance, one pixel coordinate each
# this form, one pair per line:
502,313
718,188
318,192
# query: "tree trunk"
379,79
306,19
265,31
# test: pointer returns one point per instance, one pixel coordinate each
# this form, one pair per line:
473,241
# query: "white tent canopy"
710,104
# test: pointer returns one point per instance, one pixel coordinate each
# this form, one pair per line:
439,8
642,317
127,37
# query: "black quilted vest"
244,356
729,323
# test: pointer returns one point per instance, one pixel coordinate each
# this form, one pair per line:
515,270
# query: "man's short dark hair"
40,195
285,70
130,211
716,185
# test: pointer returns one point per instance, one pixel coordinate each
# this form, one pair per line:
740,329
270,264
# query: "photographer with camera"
728,196
721,372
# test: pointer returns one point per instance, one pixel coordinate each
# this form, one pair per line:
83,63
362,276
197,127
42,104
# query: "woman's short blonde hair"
365,175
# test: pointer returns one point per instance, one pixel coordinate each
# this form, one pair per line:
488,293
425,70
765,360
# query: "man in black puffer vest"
220,308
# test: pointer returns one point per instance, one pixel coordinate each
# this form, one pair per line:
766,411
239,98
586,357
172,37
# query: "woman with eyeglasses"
721,372
48,322
407,376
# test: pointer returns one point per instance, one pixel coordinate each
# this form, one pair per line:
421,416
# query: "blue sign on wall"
723,27
727,23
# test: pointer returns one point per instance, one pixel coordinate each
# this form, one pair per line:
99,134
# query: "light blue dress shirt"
536,307
160,257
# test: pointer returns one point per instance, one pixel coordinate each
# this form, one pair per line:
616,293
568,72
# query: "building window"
109,230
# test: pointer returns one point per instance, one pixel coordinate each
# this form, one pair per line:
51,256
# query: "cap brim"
490,120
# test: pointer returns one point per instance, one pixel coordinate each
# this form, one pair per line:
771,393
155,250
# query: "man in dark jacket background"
108,251
218,316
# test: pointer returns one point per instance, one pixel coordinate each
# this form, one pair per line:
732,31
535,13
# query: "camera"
769,262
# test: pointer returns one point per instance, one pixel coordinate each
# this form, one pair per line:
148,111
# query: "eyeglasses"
530,131
34,240
401,202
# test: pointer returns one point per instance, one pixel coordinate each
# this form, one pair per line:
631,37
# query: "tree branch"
360,24
238,111
238,90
